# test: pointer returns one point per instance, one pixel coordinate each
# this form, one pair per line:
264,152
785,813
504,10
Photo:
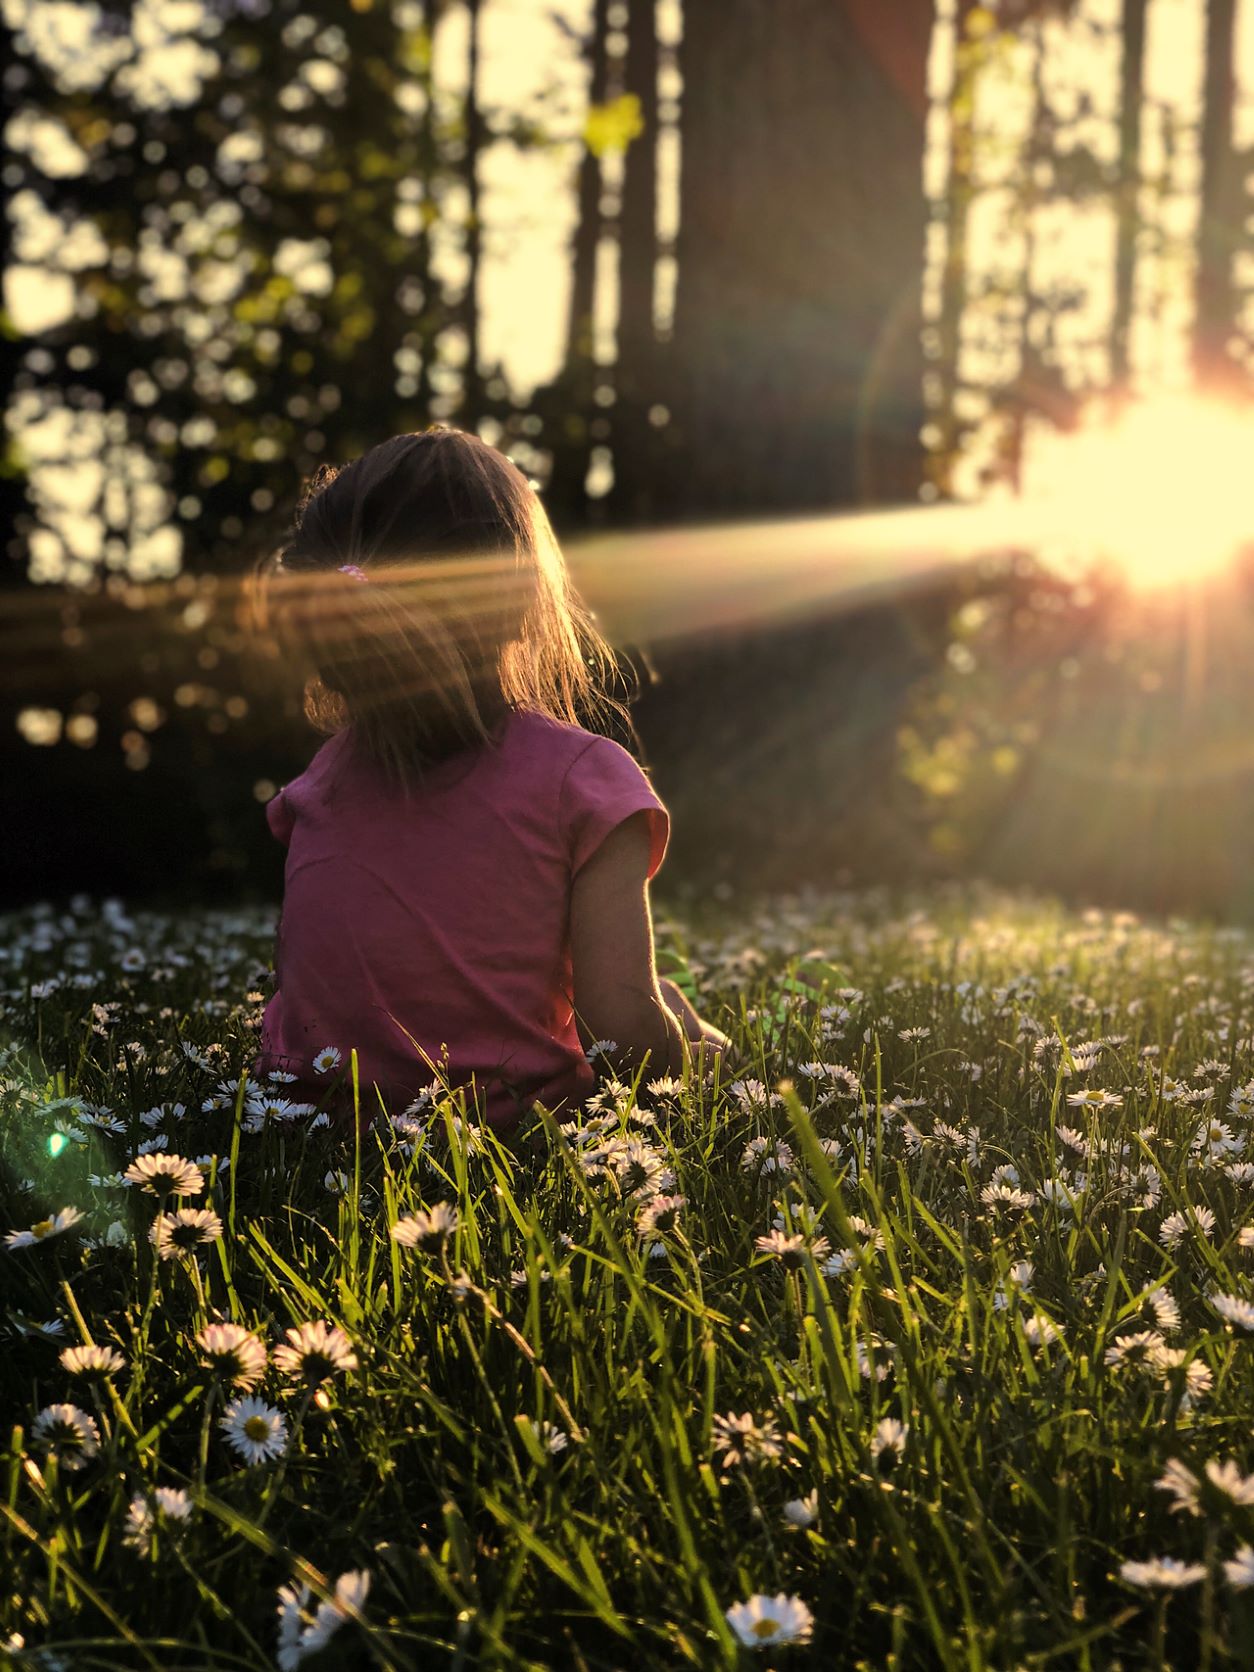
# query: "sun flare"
1162,490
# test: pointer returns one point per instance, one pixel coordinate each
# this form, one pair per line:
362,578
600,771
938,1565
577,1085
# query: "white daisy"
326,1059
1040,1331
1234,1310
254,1429
1162,1573
166,1175
315,1350
660,1215
92,1361
1183,1485
743,1438
890,1435
1240,1568
302,1633
802,1512
66,1433
427,1225
171,1504
180,1233
233,1353
767,1622
54,1226
792,1250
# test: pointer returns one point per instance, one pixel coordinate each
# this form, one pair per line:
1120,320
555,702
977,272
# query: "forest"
247,236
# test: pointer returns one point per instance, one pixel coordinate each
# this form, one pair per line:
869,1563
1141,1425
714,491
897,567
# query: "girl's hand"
706,1044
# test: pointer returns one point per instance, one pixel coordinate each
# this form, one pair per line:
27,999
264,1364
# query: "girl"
466,885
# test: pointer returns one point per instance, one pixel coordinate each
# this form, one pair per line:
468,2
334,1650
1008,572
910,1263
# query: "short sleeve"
603,786
279,818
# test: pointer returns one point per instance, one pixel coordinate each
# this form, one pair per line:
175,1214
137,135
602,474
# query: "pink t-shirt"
447,918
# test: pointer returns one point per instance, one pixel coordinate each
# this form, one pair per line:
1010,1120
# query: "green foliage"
612,126
935,1315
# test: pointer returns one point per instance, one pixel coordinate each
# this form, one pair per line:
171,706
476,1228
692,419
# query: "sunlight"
1161,490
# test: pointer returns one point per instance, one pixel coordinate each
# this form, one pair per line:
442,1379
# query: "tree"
1128,214
795,374
472,385
636,364
566,405
1221,205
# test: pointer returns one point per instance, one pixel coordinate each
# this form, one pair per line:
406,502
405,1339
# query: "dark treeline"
263,292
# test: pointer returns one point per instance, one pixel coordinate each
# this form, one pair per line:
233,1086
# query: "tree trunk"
1221,208
566,404
432,310
636,367
1128,207
795,370
12,353
472,387
959,190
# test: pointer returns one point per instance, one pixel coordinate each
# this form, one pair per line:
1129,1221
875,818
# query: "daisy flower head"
1227,1480
641,1170
890,1435
67,1434
315,1351
1162,1573
769,1622
792,1250
767,1155
549,1437
1007,1196
232,1353
1137,1348
1233,1310
1040,1331
253,1429
303,1633
166,1175
179,1234
1094,1099
660,1215
327,1060
1239,1569
743,1439
802,1512
1183,1485
170,1505
54,1226
427,1225
92,1361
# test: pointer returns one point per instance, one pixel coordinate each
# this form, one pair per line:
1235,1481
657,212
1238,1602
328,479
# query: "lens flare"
1159,490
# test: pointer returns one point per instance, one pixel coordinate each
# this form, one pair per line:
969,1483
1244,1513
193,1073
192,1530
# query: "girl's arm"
617,991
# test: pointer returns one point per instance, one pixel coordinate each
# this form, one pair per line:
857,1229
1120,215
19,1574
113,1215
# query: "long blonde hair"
423,591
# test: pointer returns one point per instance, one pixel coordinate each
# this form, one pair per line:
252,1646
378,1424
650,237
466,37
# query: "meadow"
922,1339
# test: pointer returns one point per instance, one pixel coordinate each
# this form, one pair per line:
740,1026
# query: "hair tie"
353,570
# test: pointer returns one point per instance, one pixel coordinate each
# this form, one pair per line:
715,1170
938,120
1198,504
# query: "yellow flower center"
256,1428
765,1628
45,1228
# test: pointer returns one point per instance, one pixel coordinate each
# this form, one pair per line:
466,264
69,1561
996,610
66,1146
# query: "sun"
1162,490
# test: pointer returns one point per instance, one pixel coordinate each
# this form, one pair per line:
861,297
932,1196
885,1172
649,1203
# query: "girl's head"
423,592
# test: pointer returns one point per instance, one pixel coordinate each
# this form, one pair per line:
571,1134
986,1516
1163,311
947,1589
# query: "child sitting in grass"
466,887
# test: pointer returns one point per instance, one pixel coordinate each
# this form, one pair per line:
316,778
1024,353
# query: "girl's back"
438,927
432,920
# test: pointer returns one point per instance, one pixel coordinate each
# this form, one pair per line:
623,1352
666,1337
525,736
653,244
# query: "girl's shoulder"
571,751
562,738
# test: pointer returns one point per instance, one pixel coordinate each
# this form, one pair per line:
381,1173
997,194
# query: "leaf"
612,127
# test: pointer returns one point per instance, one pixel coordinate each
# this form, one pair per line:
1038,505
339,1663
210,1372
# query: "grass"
964,1364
